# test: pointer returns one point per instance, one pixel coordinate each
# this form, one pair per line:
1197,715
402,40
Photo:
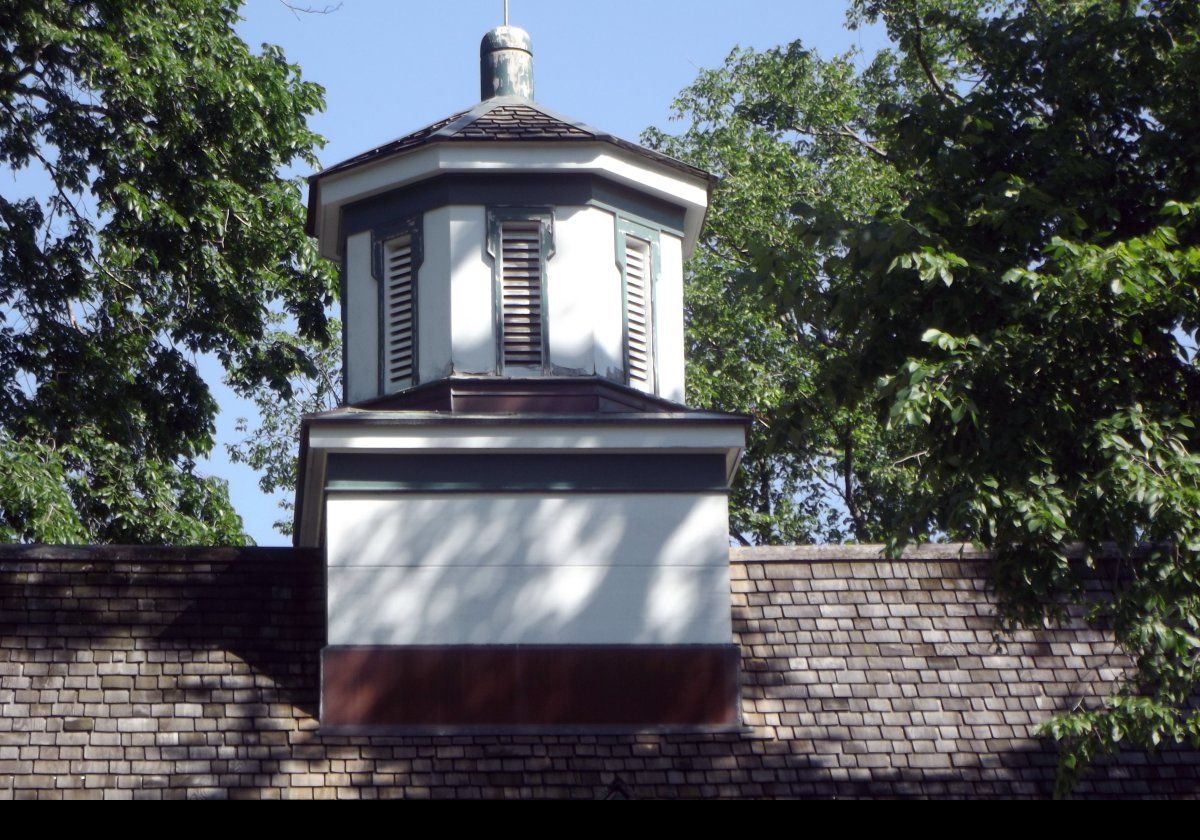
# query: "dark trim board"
494,189
414,230
526,472
497,217
522,395
501,686
153,556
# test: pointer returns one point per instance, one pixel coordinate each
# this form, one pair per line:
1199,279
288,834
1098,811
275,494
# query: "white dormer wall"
458,330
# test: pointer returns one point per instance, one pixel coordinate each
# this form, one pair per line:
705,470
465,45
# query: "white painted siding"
525,529
436,436
472,316
528,569
549,605
456,317
362,323
577,278
627,168
669,318
433,298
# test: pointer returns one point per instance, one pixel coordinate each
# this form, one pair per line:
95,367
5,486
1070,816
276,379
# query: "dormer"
509,244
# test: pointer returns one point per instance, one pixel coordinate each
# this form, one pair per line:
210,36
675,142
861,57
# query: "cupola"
508,242
523,526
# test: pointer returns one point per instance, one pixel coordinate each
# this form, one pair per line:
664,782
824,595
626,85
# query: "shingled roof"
155,672
506,119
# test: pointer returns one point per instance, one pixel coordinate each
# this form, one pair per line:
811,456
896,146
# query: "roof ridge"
561,117
461,121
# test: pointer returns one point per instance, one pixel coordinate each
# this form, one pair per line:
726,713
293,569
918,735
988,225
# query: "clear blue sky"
391,66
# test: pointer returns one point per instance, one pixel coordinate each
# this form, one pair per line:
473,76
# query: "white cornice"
599,158
437,436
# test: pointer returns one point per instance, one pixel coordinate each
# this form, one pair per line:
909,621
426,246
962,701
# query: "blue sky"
391,66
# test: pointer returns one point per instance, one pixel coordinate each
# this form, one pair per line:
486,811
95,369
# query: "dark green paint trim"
630,227
550,189
411,227
343,280
497,216
522,472
383,233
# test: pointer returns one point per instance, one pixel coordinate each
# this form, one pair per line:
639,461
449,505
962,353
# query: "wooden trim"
149,554
543,218
573,189
451,686
472,472
496,395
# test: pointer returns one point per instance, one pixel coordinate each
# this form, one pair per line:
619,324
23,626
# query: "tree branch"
298,10
856,516
60,102
920,454
944,93
9,78
845,132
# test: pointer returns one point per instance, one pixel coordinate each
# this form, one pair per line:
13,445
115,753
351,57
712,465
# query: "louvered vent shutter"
638,317
521,289
399,302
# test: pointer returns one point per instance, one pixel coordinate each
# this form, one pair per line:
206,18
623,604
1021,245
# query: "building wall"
528,568
472,298
434,294
456,322
583,295
362,320
172,672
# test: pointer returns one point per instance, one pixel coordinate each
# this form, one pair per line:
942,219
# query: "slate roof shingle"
169,673
505,119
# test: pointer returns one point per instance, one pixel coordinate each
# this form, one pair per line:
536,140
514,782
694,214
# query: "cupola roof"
501,119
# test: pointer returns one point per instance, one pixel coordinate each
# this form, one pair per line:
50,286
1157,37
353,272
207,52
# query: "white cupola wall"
510,242
520,290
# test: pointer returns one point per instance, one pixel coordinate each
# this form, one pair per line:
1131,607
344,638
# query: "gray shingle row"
180,676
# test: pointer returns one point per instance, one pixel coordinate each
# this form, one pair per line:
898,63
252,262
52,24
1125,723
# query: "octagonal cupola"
508,247
522,525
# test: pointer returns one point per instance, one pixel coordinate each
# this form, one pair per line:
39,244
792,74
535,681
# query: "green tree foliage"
147,225
978,257
786,128
1029,314
270,447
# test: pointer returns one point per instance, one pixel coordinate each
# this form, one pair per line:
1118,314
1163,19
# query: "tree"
781,128
1029,313
271,446
149,226
978,255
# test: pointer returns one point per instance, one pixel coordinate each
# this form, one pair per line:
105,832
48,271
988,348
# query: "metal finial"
506,12
506,63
